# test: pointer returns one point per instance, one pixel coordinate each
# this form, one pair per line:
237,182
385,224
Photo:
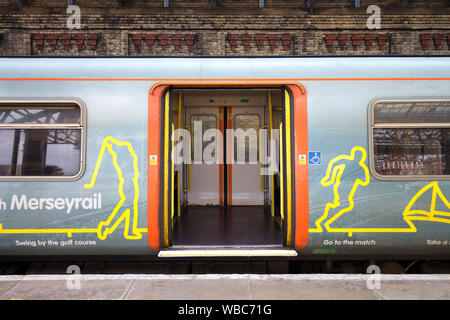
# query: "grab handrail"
188,164
260,168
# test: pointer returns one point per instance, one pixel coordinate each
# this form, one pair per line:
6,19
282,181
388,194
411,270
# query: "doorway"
286,188
226,195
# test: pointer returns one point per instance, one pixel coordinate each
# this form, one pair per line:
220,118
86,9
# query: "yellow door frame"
286,181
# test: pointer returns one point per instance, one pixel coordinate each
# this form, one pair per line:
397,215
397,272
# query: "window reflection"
40,152
40,114
412,112
412,151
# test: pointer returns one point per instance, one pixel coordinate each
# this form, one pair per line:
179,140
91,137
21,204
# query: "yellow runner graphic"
333,175
116,217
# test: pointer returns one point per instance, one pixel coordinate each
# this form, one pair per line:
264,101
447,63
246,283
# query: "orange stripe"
153,171
221,81
220,157
301,196
230,154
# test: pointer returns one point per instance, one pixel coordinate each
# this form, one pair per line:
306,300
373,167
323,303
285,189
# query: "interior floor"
243,226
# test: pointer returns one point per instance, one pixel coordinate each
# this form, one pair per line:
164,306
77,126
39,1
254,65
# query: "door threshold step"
232,252
208,247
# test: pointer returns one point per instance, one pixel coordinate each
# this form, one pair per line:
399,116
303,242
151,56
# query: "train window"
40,139
205,122
411,138
246,141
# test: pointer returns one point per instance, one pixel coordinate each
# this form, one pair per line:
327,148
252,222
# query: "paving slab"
198,287
411,290
61,287
295,289
5,286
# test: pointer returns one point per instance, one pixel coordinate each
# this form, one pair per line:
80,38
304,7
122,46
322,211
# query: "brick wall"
190,28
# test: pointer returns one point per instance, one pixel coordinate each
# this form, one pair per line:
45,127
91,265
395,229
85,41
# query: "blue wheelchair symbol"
315,157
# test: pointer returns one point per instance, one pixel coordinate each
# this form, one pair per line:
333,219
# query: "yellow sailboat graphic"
433,214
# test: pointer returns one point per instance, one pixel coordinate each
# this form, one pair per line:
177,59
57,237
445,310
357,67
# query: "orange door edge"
301,170
153,167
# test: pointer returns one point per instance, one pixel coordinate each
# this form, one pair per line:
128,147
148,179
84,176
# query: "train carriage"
293,157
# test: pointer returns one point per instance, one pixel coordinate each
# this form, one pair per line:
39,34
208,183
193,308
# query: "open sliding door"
160,172
291,197
285,173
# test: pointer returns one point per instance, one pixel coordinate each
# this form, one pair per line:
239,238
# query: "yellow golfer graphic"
335,170
120,214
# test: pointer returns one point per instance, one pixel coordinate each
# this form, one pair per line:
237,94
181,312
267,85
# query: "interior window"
246,141
205,122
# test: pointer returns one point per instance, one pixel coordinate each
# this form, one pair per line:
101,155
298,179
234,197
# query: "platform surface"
225,287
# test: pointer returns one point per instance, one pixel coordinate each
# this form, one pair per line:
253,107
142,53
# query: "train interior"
226,178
